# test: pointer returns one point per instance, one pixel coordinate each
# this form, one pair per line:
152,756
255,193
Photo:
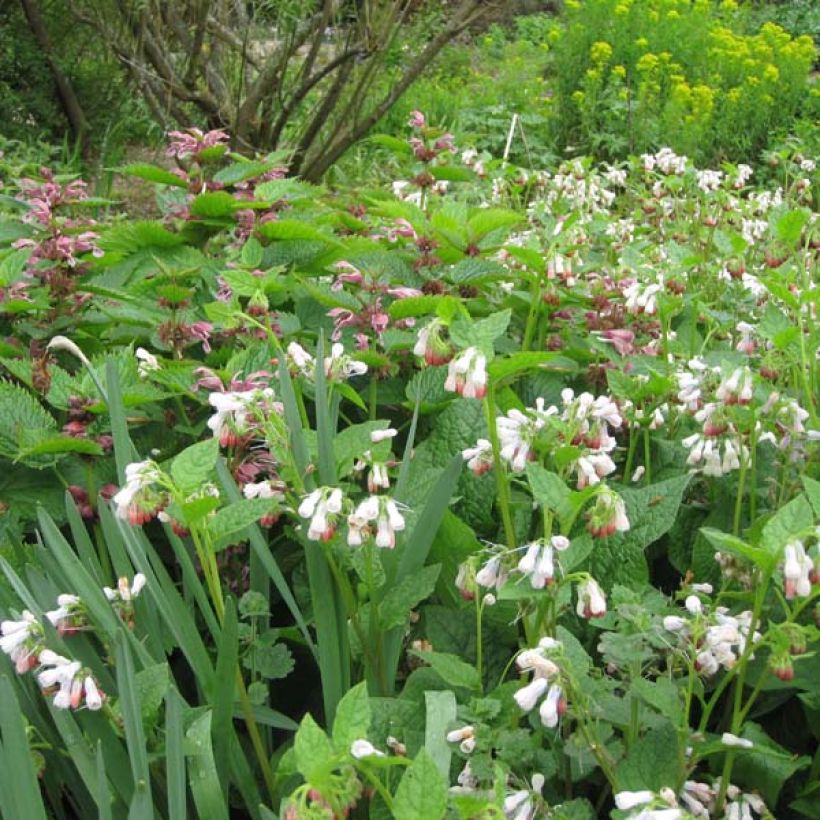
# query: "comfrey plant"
501,502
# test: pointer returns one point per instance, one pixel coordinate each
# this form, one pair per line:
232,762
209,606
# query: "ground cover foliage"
489,493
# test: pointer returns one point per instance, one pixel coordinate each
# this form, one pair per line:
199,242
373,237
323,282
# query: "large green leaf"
422,792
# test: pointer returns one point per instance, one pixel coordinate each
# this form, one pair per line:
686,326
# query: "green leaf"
812,489
202,773
725,541
420,305
240,171
550,491
16,756
440,708
653,761
271,662
767,767
651,511
451,173
24,425
131,710
481,333
252,253
514,365
192,468
422,791
354,441
153,173
314,751
408,593
237,517
487,220
788,522
451,668
396,145
174,755
294,229
214,204
789,225
353,717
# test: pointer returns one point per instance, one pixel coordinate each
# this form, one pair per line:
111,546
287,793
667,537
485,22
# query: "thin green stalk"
373,398
207,557
630,454
500,472
532,316
647,456
741,485
479,647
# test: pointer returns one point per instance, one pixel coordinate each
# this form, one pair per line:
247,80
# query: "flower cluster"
544,685
467,374
71,684
717,638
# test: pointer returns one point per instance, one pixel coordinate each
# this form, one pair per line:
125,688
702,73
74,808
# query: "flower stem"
500,472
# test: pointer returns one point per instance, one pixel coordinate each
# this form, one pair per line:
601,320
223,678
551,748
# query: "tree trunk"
65,92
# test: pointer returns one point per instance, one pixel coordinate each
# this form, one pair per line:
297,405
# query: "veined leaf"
153,173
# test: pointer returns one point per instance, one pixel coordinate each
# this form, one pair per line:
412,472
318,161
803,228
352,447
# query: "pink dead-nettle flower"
416,120
192,141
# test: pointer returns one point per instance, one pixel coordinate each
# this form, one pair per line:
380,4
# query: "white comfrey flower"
520,804
139,476
737,388
551,707
491,574
339,365
67,607
709,181
361,749
798,569
431,345
237,413
301,360
93,696
528,696
479,458
591,468
22,640
126,591
642,298
746,344
735,742
591,599
148,363
465,737
383,435
381,510
467,374
263,489
322,507
64,674
629,800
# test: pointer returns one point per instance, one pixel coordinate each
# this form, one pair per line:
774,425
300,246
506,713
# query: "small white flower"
364,748
693,605
383,435
530,694
728,739
629,800
549,710
148,363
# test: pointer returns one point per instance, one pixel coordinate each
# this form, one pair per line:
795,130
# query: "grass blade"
175,756
134,733
124,452
103,794
324,429
407,456
18,766
202,775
